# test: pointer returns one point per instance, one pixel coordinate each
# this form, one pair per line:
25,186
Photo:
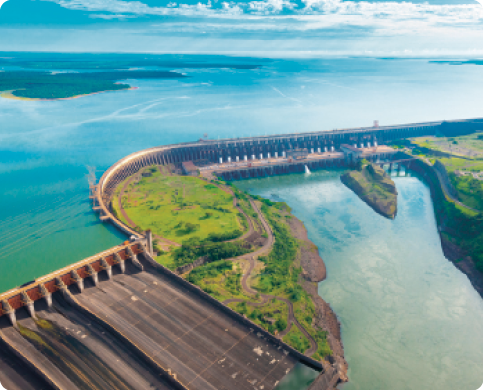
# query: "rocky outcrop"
372,184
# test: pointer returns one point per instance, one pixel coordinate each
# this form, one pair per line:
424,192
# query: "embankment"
315,272
459,231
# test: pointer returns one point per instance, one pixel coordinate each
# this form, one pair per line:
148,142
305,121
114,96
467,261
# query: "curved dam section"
262,147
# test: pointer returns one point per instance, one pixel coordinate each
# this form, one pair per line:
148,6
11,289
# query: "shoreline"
452,251
9,95
314,272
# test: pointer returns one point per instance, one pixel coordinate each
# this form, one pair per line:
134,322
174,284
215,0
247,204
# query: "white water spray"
307,170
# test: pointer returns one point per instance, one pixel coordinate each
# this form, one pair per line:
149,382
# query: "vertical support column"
135,259
237,158
107,267
93,274
7,309
149,241
245,157
120,261
29,304
79,281
46,295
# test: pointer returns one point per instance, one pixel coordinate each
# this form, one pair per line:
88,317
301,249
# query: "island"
36,85
248,252
374,187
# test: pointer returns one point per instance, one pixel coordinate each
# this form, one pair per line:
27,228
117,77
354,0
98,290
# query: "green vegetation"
44,85
374,187
463,163
179,208
193,249
116,62
296,339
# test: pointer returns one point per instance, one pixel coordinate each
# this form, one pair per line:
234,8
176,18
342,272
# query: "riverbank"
314,272
371,183
459,228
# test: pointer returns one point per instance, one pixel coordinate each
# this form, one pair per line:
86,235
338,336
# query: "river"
410,319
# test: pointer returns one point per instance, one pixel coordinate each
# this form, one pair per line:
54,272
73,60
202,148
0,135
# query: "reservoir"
410,319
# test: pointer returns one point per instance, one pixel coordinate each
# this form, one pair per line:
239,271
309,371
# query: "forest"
46,85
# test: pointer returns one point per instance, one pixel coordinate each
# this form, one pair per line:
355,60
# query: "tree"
281,324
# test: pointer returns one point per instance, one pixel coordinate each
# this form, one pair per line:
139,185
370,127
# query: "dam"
119,320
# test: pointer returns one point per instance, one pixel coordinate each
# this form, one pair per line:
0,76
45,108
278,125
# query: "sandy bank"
10,95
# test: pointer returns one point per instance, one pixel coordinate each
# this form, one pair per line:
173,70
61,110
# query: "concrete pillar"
318,150
362,145
79,281
64,290
276,154
261,156
253,157
29,304
331,148
312,150
149,241
237,158
107,267
268,155
7,309
355,145
93,274
121,262
284,154
229,159
221,160
46,294
135,259
325,149
375,143
245,157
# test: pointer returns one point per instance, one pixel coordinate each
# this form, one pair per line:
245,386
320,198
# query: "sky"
377,28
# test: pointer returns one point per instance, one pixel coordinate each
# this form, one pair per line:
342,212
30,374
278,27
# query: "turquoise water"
46,147
410,319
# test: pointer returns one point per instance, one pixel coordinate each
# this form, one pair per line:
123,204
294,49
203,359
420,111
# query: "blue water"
409,318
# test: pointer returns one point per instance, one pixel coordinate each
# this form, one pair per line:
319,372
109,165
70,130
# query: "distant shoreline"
9,95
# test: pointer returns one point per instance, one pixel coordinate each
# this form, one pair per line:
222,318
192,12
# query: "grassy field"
468,145
178,208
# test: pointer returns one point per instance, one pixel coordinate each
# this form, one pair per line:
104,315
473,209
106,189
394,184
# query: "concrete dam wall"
138,328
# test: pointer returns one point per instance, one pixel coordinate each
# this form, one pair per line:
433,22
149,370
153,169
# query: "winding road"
266,297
